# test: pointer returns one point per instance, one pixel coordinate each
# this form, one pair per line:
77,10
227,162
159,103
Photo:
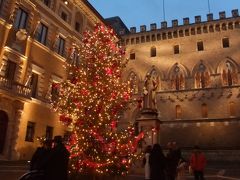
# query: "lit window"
21,19
230,74
202,77
30,131
225,42
200,46
42,33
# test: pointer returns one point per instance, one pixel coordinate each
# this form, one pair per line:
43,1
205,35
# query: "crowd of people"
51,159
172,166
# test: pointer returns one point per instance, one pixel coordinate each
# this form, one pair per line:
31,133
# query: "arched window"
133,83
178,112
229,74
204,110
202,77
177,79
153,52
232,109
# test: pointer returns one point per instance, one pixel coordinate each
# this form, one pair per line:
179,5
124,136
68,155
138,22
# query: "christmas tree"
91,102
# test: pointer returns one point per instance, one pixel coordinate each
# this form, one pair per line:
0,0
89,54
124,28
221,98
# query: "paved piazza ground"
214,171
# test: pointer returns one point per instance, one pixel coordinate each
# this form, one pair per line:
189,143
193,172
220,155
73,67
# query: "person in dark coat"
41,156
58,165
157,162
173,158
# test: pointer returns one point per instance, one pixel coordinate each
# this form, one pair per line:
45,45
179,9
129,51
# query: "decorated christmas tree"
91,102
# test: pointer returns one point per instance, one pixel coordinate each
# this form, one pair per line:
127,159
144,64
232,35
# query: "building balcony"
15,88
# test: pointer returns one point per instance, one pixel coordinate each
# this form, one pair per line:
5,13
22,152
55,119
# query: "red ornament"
109,71
126,96
113,124
124,161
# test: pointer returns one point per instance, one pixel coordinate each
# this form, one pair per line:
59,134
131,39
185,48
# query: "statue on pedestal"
149,92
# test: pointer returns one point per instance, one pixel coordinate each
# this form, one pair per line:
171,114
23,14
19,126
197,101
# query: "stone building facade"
37,38
196,68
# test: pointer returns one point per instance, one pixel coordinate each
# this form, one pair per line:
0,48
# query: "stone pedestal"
149,123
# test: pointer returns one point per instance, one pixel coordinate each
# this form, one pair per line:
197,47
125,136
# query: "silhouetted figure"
198,163
57,168
173,157
157,163
146,162
41,156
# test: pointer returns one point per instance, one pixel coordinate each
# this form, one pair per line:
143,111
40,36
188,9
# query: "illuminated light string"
90,103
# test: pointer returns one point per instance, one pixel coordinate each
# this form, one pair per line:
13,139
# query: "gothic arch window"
229,74
204,110
232,109
202,77
133,83
177,79
153,52
178,110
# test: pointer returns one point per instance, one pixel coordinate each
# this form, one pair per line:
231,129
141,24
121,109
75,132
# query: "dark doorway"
3,129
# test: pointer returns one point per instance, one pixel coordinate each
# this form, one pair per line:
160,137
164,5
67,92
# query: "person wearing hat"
58,164
41,156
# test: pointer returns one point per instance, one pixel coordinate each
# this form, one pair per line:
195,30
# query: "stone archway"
3,129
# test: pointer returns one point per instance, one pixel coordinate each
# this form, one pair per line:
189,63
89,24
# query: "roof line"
94,11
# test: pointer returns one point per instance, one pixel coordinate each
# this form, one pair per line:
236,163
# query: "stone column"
18,108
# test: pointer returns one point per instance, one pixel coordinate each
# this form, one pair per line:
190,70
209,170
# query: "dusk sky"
145,12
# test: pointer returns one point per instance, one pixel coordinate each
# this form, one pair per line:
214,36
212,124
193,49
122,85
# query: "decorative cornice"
89,11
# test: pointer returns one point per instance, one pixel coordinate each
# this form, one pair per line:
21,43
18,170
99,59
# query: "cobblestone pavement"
12,171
